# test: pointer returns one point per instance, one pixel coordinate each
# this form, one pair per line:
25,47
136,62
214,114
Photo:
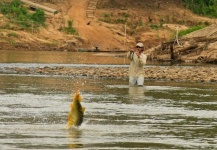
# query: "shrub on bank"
18,14
187,31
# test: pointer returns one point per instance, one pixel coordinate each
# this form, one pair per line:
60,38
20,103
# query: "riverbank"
168,73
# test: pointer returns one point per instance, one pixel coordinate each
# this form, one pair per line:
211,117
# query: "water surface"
56,57
66,58
159,115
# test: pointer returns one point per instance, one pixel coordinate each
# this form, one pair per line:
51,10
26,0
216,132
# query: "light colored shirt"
136,64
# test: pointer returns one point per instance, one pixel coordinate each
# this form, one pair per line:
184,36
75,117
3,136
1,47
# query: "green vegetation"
17,13
70,29
202,7
122,18
140,23
109,4
12,34
154,26
107,18
187,31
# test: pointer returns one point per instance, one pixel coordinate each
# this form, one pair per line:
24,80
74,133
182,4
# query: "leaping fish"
76,113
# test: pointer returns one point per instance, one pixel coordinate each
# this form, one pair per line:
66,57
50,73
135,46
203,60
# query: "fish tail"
77,96
76,91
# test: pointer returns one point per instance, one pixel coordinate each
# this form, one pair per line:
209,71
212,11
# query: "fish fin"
83,109
69,124
76,91
71,105
69,116
70,120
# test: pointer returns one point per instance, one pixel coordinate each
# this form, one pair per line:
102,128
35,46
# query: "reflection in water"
74,136
136,93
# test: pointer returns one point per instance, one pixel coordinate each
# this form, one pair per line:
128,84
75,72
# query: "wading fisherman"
137,61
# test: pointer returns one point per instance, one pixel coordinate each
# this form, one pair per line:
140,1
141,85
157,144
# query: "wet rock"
196,74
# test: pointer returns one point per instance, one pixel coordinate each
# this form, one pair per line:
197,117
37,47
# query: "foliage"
12,34
17,13
140,23
125,15
109,4
202,7
107,18
121,19
39,17
187,31
154,26
70,29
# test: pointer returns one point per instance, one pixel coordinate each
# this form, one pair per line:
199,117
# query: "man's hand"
138,53
132,50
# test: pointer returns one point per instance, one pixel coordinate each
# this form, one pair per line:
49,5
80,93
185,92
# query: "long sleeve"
143,59
130,55
137,64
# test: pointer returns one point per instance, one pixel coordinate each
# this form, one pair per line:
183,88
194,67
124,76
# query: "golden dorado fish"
76,113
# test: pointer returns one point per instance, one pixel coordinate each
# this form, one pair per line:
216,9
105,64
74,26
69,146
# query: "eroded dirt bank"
110,35
37,46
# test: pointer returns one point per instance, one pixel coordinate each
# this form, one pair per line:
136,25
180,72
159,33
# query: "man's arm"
143,58
130,54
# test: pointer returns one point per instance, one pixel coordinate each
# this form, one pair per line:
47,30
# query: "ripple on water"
34,115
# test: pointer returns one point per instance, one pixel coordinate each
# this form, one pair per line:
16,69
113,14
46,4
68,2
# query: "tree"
203,7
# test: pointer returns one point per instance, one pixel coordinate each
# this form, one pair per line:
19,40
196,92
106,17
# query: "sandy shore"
168,73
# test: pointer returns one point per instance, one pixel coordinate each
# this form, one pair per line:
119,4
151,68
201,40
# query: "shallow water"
55,57
159,115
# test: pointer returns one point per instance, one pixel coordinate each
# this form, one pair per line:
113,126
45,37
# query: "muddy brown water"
57,57
160,115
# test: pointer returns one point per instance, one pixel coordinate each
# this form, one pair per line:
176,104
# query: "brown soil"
107,36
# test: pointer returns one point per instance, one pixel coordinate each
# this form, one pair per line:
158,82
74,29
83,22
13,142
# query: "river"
160,115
